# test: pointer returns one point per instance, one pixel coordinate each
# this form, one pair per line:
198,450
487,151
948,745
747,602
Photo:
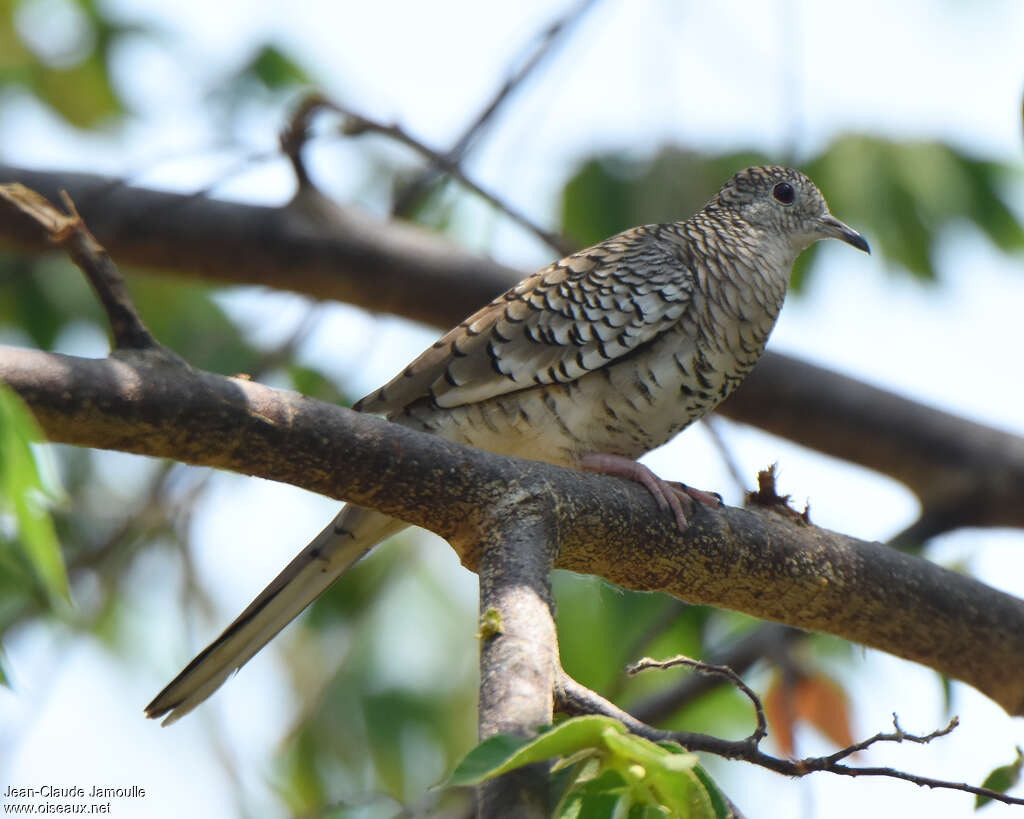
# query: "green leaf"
491,757
270,72
605,795
69,70
612,192
82,94
315,384
633,776
905,195
187,317
1001,779
594,202
276,70
719,803
26,303
13,53
666,770
502,753
23,494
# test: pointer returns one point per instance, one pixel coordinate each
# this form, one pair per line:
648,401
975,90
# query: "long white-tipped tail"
346,539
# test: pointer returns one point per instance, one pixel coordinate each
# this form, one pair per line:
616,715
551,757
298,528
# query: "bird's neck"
748,255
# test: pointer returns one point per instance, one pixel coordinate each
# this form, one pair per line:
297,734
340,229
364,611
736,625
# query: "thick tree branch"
518,643
964,473
753,561
346,255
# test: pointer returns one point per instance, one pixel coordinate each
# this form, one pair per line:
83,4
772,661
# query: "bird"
588,363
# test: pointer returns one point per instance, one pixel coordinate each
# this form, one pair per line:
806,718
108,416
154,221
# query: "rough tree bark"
965,474
518,642
759,562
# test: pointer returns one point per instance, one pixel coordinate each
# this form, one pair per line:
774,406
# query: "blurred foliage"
274,69
602,628
372,725
60,52
613,192
902,195
905,195
269,75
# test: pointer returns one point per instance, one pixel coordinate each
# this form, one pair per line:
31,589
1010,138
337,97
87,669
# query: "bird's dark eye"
784,193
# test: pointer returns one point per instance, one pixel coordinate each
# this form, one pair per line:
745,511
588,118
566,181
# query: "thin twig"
899,735
766,640
69,232
713,426
357,124
125,323
575,699
296,134
410,193
760,732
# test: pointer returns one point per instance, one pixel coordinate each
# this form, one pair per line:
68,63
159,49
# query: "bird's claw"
669,495
712,499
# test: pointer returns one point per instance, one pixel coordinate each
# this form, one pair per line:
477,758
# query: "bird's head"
784,202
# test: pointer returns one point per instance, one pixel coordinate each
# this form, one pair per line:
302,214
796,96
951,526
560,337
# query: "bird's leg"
669,495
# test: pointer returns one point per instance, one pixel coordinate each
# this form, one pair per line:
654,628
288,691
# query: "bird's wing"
570,318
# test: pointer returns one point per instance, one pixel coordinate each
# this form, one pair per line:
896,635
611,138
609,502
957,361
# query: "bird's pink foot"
669,495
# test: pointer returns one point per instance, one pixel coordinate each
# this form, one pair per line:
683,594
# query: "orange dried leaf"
780,710
821,702
815,699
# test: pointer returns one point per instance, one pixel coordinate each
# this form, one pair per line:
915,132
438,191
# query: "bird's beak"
833,228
